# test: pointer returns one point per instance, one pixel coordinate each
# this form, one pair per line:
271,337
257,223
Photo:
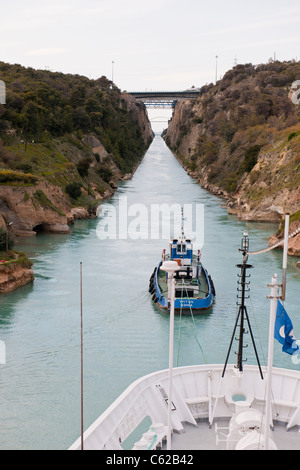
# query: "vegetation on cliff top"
248,112
14,258
11,257
44,124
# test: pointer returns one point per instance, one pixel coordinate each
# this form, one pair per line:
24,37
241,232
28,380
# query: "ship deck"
203,292
202,437
200,395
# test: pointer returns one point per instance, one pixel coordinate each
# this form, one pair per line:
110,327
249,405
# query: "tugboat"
194,288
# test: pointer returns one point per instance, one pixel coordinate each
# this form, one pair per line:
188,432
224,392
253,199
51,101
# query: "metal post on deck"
170,267
81,357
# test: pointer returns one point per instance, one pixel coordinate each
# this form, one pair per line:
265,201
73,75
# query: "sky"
148,45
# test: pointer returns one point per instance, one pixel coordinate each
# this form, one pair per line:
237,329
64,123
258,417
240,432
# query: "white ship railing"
196,394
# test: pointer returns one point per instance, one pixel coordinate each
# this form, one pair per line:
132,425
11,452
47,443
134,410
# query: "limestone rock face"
33,208
80,213
139,113
294,243
13,276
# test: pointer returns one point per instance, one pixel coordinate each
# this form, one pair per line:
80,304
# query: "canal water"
125,336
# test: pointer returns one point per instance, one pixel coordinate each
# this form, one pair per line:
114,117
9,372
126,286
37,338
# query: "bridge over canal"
164,99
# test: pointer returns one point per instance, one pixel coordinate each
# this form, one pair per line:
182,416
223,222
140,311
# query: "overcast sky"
154,44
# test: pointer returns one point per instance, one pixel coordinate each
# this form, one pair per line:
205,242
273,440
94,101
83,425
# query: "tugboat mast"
182,223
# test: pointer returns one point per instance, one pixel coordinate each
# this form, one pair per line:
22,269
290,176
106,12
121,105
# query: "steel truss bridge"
164,99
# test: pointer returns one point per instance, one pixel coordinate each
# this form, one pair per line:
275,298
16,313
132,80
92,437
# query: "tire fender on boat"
212,285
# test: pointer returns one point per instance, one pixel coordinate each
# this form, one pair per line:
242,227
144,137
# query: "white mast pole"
285,254
170,267
171,350
273,310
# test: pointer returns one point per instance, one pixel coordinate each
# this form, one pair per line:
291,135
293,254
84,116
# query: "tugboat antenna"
182,223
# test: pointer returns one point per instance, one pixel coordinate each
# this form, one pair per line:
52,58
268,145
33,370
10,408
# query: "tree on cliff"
6,237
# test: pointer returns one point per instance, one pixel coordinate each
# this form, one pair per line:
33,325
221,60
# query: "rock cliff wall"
65,142
266,192
44,206
35,208
140,114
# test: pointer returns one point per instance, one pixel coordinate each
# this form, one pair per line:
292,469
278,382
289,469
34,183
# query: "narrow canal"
125,336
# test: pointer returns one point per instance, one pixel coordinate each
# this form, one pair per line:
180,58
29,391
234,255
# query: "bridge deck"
164,99
170,95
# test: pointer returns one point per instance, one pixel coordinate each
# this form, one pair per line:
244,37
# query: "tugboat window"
181,248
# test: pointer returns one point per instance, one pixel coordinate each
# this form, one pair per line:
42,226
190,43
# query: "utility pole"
216,68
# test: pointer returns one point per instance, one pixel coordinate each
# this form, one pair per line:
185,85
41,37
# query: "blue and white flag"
284,331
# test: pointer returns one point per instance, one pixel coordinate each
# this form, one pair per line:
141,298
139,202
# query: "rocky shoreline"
15,273
294,242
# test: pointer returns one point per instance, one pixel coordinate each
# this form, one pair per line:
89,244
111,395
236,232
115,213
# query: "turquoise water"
124,335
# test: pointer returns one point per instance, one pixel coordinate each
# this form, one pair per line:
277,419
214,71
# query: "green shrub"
292,135
83,166
210,152
250,159
74,190
105,173
13,258
24,167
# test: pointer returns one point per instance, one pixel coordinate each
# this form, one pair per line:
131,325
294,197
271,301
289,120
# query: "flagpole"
285,254
273,309
81,359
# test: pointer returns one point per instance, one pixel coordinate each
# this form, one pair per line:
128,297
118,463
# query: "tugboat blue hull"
185,304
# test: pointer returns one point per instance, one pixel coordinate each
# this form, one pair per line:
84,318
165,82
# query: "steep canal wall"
241,140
